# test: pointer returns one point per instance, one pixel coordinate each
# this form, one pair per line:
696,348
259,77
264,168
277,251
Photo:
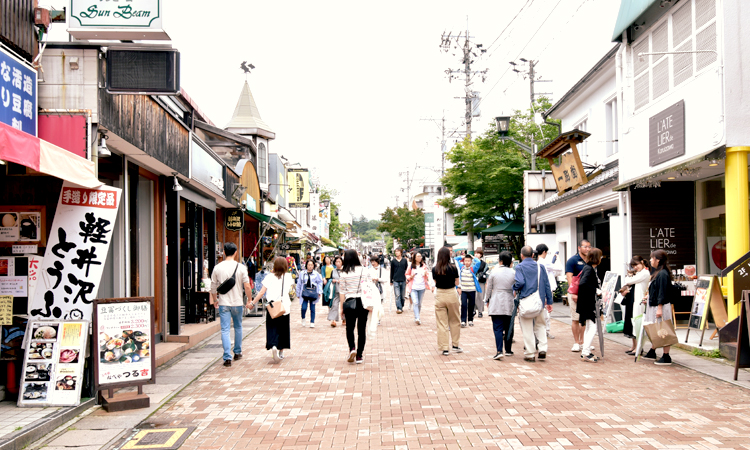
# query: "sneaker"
550,336
312,325
418,322
302,322
275,353
227,363
471,324
665,360
446,353
529,358
508,353
458,349
237,356
589,358
498,356
651,354
576,348
352,355
398,311
542,355
480,315
359,360
592,348
281,355
463,324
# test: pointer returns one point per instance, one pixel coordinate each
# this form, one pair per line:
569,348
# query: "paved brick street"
408,396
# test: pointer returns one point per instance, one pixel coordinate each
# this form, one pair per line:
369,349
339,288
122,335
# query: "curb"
37,430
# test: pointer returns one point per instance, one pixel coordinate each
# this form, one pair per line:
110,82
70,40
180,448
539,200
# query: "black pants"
627,305
503,336
277,332
356,318
468,302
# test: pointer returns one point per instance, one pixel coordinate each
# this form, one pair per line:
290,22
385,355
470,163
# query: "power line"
528,3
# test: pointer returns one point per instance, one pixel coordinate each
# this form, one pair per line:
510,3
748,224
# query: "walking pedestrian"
482,271
351,305
659,300
573,267
637,281
586,304
553,270
500,303
528,280
275,288
333,309
326,269
377,275
418,277
231,302
447,304
309,290
398,279
469,289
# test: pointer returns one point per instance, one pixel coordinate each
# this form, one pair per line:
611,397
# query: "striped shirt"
349,282
467,280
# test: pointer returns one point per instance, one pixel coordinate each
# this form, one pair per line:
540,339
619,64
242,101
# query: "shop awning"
22,148
512,227
630,10
264,218
327,241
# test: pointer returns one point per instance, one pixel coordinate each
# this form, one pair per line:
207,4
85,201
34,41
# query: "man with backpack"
227,281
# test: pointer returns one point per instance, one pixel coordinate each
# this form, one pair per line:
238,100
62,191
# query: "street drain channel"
160,438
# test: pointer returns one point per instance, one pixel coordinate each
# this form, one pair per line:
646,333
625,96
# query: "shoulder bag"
531,306
276,307
573,288
229,283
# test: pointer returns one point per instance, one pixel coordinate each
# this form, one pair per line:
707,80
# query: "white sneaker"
312,325
418,322
275,353
592,348
576,348
302,322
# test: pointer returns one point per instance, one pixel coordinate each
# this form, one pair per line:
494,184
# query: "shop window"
713,193
612,127
583,147
262,163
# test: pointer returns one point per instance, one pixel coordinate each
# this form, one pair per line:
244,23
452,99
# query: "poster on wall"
54,363
717,254
77,248
124,329
20,226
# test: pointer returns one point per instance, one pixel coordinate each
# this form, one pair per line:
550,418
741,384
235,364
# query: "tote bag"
661,334
531,306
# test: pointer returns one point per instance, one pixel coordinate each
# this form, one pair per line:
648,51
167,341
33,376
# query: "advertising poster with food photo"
124,346
53,368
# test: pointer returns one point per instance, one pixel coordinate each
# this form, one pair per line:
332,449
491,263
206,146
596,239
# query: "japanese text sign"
18,92
298,186
234,219
6,310
77,249
569,173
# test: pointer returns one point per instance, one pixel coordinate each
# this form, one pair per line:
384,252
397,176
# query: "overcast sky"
345,84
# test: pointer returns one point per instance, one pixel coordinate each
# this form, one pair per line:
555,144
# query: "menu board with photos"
54,363
124,328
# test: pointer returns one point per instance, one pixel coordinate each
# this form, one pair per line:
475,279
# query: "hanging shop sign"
205,169
123,20
124,328
666,134
54,362
234,219
298,185
18,94
74,260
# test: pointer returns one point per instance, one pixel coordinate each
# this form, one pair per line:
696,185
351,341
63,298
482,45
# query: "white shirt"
418,284
224,271
553,270
278,289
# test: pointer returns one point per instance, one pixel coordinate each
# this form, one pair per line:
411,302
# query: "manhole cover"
164,439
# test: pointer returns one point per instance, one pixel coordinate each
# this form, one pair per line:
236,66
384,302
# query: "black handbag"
229,283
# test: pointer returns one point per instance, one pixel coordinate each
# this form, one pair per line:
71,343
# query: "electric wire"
528,3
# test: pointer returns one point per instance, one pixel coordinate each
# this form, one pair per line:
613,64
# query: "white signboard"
53,366
124,350
76,252
116,19
35,263
15,286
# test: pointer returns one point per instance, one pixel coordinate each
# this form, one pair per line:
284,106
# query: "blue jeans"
416,296
399,291
311,302
227,316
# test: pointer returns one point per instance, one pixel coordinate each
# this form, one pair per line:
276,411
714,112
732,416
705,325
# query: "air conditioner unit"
143,71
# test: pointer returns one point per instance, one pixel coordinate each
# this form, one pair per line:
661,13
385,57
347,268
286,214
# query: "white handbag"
531,306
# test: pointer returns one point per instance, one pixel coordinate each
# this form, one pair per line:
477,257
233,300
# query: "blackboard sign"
666,134
699,311
234,219
740,270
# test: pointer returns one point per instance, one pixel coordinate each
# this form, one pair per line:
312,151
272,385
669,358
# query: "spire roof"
246,118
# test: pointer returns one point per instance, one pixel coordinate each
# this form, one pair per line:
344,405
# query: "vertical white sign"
76,251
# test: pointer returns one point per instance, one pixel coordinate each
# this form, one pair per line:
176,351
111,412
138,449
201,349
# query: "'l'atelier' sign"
666,134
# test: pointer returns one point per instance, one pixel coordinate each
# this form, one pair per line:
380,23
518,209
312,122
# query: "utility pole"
469,51
408,187
531,73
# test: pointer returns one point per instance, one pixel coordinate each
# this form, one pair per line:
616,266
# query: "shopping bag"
661,334
616,327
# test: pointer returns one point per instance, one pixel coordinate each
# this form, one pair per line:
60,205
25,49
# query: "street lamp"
502,125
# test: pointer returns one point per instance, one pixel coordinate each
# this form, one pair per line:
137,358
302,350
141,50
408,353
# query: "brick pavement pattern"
408,396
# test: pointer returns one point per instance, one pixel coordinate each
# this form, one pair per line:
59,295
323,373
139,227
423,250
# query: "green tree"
404,224
485,182
336,229
363,225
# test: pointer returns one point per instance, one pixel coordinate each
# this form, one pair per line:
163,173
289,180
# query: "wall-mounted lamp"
713,163
176,186
103,151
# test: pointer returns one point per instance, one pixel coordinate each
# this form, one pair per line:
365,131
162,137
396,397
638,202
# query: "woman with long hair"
276,288
659,299
350,295
586,307
333,310
447,303
309,290
418,278
637,282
